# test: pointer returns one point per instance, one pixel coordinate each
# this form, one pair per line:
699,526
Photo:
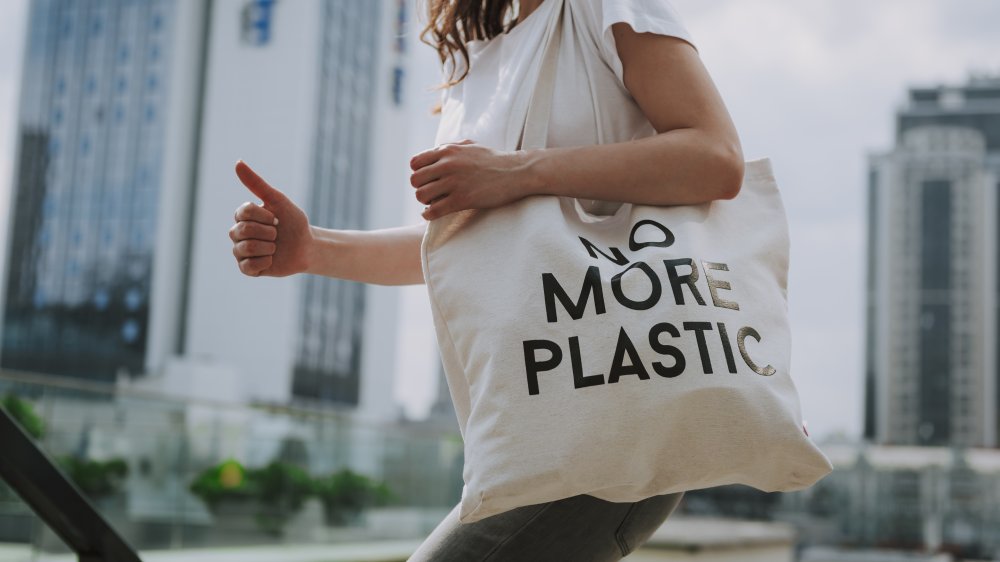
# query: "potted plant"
272,494
99,480
345,495
224,481
280,489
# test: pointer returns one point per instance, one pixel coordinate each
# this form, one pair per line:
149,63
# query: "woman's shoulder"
643,16
651,16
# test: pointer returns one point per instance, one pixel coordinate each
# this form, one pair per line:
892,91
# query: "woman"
630,77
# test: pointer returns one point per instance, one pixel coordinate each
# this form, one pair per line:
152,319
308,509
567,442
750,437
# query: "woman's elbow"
729,169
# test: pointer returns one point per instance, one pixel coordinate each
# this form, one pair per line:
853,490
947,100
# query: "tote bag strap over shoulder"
536,122
534,130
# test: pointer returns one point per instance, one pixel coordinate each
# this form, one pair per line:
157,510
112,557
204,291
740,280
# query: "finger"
253,249
427,157
254,212
428,193
439,208
428,174
432,155
255,266
244,230
258,186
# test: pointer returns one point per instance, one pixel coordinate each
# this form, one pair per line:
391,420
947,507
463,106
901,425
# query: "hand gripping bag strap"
534,131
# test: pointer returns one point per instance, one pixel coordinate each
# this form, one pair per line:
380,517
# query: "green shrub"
96,479
280,490
226,480
346,493
24,414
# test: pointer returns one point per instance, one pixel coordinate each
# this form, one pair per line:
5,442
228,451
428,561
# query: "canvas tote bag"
622,356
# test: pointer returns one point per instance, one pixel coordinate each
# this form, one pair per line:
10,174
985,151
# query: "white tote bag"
622,356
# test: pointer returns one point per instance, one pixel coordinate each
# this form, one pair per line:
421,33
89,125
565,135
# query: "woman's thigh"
581,528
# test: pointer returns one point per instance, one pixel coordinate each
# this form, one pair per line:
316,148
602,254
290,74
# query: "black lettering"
664,349
668,237
726,347
618,369
579,380
591,285
617,256
677,280
532,366
741,337
654,292
699,329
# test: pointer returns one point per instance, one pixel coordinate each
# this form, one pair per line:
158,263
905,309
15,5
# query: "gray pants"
578,529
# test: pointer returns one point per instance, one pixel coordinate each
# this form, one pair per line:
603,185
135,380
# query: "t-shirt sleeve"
643,16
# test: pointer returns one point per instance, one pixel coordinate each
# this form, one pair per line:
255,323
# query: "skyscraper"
96,187
932,286
318,105
132,116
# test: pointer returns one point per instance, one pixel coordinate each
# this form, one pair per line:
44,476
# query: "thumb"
258,186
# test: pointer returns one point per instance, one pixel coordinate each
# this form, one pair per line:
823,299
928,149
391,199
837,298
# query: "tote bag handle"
535,130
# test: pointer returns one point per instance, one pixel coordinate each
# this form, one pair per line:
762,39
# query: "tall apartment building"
132,116
932,286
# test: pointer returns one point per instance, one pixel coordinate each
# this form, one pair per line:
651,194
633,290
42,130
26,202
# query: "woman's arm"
275,239
695,158
388,256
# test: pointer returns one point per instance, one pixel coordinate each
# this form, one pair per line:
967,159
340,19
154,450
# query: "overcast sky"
812,85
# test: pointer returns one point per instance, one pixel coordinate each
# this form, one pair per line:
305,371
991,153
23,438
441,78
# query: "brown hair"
453,23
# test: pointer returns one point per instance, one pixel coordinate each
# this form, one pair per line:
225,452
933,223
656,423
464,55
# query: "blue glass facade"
90,145
328,359
934,378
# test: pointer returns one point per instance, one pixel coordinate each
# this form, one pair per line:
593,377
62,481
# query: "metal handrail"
54,498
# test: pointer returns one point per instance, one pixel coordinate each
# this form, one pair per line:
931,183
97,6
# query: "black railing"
47,491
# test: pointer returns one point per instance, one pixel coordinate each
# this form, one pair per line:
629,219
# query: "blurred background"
305,418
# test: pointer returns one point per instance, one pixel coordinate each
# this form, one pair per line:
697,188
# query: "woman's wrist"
530,177
316,246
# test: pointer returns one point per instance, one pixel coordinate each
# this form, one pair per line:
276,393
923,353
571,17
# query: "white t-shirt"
590,102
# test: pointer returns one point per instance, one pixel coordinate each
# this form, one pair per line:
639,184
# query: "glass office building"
87,179
932,371
327,365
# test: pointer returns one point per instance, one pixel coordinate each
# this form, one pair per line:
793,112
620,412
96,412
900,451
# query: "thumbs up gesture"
272,239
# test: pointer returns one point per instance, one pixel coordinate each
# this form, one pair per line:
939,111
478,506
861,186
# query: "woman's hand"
273,239
466,175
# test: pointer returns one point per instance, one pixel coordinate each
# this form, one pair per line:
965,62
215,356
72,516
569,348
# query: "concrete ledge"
381,551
